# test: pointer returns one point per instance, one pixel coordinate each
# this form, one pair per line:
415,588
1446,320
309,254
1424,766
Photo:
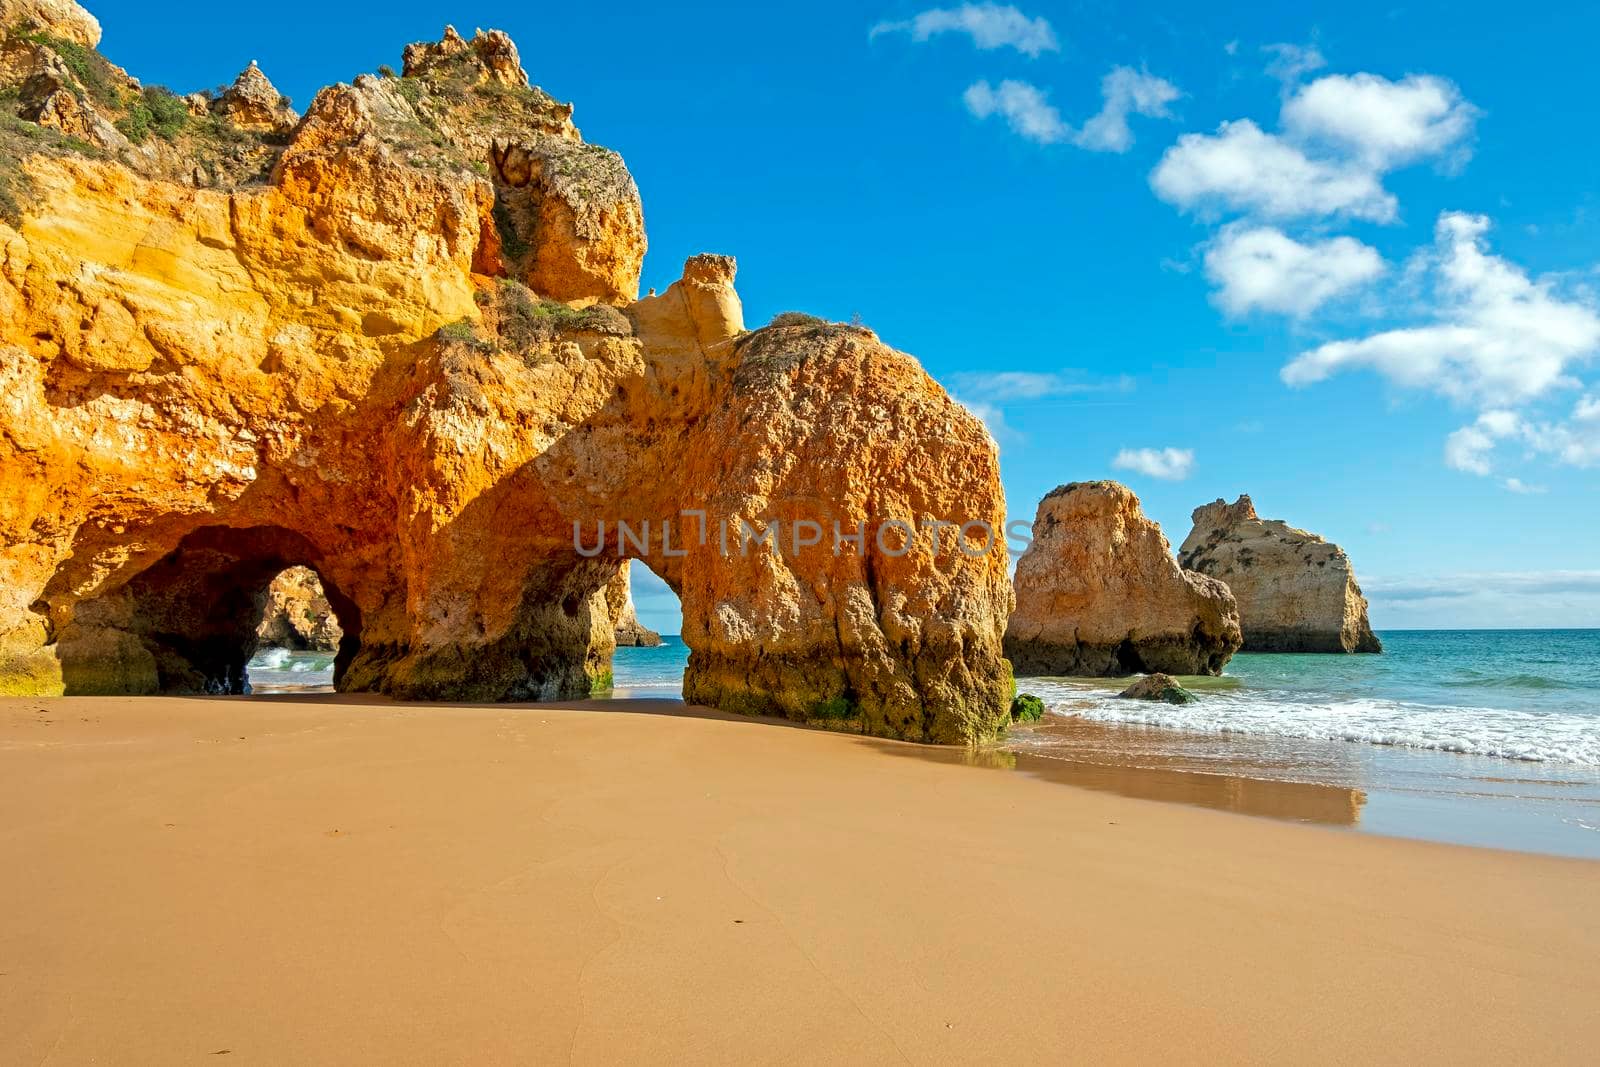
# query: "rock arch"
187,623
345,367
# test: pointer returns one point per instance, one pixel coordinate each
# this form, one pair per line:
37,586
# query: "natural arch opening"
651,657
191,622
298,637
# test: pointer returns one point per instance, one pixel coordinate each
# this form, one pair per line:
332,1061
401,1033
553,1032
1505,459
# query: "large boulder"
1099,593
1296,591
401,346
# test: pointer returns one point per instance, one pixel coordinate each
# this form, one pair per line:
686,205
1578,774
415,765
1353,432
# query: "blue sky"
1344,260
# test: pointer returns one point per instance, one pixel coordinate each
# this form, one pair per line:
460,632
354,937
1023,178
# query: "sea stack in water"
625,624
1099,593
1296,592
401,343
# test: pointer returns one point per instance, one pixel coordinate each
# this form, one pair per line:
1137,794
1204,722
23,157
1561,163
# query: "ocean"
1483,737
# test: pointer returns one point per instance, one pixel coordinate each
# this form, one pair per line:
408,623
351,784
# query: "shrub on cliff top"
796,318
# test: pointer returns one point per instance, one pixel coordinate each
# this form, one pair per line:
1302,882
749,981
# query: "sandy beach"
324,880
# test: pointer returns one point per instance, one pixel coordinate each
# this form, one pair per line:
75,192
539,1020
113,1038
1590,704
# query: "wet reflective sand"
1096,756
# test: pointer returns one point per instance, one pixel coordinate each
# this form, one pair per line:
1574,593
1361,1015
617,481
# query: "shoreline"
322,879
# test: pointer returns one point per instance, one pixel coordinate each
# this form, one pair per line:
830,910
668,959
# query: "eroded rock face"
297,615
625,624
1099,593
400,347
1296,592
58,18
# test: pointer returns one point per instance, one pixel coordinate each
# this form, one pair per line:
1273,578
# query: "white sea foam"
270,659
1498,732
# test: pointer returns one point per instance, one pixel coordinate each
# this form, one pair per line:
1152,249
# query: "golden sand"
325,880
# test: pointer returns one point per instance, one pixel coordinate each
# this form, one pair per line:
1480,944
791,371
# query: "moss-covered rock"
1162,687
1027,708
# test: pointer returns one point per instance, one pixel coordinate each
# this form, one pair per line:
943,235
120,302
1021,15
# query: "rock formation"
297,615
1158,687
1098,593
252,103
625,625
400,344
1296,592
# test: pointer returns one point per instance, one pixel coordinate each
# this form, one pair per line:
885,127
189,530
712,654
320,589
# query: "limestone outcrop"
400,345
62,19
252,102
1296,591
625,625
1099,594
297,615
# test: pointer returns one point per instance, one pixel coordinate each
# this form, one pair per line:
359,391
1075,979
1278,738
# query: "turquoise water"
1526,695
1529,695
650,672
1486,737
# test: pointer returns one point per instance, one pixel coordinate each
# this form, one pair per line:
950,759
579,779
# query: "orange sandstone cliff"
398,340
1099,593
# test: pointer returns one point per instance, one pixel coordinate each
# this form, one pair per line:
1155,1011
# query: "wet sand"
323,880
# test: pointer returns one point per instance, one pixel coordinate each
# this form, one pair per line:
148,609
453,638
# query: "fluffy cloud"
1517,485
1259,268
1241,168
1026,110
1171,464
1023,106
1126,92
1468,449
1383,123
1573,441
1340,134
1498,336
990,26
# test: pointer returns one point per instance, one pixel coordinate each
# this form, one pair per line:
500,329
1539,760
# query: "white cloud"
1573,441
1030,114
1023,106
1339,136
990,26
1259,268
1030,385
1499,337
1241,168
1381,122
1125,91
1468,448
1170,464
1517,485
1290,61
